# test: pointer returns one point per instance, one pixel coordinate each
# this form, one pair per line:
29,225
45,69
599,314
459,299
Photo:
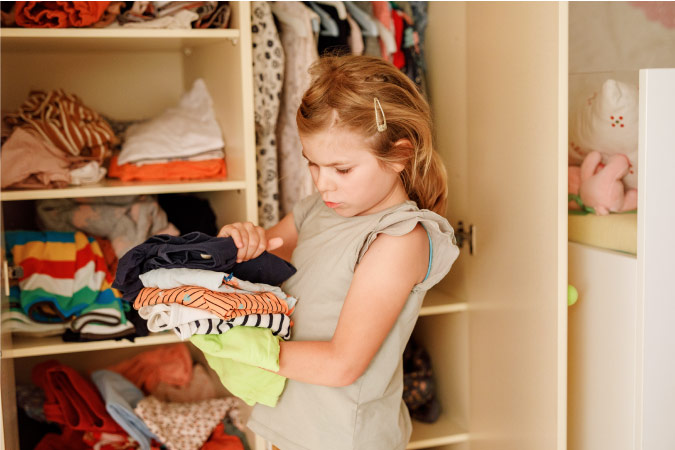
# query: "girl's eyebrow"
333,164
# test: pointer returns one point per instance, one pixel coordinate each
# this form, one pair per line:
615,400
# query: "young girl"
367,246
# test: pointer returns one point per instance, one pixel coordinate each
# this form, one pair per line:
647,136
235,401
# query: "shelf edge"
105,191
76,347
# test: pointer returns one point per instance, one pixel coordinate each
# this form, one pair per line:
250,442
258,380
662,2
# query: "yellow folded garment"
614,231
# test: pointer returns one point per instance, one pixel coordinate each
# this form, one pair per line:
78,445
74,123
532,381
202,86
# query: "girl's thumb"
275,243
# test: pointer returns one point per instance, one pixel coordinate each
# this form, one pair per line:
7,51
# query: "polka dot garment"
268,78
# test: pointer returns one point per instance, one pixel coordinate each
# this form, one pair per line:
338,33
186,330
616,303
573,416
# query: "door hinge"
468,235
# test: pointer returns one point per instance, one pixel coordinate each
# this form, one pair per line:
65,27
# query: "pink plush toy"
573,183
601,187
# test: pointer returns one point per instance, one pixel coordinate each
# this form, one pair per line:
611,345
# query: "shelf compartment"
110,39
442,432
21,346
438,302
111,187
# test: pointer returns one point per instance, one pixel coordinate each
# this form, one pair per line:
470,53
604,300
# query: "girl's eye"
343,171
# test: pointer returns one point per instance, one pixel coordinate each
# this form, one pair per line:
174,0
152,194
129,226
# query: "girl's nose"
323,181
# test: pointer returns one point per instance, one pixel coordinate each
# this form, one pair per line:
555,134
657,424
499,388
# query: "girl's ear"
403,148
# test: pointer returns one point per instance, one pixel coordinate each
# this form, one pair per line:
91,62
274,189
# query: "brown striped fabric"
226,305
62,119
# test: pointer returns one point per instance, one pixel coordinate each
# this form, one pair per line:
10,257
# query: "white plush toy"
607,122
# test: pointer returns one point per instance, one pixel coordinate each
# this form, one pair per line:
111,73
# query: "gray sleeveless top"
368,414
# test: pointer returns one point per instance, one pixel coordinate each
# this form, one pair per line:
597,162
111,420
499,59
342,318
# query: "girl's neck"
394,197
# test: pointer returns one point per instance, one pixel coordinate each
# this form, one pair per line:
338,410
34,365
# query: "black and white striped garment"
280,324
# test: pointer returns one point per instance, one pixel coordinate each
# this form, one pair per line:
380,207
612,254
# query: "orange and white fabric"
64,120
225,305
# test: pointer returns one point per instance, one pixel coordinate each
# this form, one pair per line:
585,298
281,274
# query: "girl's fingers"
262,243
255,235
240,241
275,243
249,239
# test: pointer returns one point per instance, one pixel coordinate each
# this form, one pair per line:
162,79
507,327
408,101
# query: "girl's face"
349,177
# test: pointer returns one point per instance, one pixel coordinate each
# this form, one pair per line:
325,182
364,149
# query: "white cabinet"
129,74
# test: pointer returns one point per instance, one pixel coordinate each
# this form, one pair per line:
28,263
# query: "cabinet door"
656,244
516,69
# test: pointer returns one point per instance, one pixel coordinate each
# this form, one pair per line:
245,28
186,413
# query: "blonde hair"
342,93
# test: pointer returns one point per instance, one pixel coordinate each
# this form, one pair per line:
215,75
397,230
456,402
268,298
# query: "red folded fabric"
72,400
220,440
70,439
58,14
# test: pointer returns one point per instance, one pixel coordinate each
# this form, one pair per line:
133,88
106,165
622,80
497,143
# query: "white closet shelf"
444,431
111,187
21,346
437,301
122,39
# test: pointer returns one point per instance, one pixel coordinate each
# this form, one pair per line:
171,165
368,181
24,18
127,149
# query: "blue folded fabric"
121,397
195,250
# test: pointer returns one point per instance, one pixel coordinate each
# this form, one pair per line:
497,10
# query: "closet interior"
135,74
127,75
502,88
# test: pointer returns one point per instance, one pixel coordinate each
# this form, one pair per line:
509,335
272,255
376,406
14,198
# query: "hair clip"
380,126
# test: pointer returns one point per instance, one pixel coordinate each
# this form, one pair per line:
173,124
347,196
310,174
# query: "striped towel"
65,271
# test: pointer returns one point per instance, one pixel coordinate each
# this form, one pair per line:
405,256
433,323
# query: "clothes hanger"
388,38
328,25
367,24
339,6
315,21
291,20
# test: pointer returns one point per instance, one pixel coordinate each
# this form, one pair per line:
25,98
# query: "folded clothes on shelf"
71,399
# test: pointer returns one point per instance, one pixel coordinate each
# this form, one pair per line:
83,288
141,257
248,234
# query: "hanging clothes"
268,78
420,19
355,38
333,42
382,13
371,43
295,181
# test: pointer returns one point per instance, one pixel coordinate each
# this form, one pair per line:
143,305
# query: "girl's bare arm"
382,282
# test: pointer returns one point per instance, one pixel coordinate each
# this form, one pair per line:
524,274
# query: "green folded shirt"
240,358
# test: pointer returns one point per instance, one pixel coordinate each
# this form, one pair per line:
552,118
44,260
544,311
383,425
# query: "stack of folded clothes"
184,142
54,140
233,312
64,286
155,400
109,14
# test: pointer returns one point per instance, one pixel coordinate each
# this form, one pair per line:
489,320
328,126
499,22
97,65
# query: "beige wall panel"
149,83
445,53
517,113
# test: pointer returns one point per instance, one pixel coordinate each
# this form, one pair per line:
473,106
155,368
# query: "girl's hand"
250,239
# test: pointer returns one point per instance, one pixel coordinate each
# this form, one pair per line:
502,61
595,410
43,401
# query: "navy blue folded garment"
195,250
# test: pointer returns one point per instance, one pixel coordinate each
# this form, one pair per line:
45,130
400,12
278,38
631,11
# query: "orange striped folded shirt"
226,305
